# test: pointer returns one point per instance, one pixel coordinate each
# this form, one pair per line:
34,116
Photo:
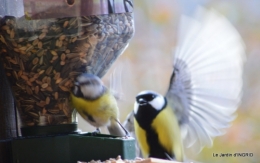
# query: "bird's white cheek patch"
158,102
89,91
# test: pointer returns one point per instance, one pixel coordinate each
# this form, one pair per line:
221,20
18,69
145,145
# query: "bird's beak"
142,101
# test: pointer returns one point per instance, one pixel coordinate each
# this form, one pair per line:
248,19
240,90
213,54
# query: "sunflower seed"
45,85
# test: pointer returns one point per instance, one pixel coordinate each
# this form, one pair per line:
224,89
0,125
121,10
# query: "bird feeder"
45,45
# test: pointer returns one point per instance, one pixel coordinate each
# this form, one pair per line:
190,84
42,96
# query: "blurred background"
147,64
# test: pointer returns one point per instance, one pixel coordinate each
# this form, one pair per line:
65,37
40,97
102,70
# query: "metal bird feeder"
45,45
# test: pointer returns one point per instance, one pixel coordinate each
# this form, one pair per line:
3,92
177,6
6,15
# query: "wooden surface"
155,160
137,160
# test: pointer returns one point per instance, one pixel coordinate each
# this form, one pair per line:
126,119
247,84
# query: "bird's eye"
77,92
150,97
85,83
146,97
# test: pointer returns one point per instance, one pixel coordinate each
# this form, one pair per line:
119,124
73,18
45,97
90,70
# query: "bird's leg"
168,156
126,132
97,131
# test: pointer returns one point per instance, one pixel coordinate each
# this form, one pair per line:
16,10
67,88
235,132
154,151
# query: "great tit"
96,104
204,91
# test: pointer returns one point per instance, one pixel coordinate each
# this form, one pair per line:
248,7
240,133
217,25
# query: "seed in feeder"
28,44
35,42
66,111
56,95
53,111
49,89
67,83
67,51
73,39
65,24
20,72
44,79
16,50
35,61
41,60
40,53
42,35
14,61
29,83
28,90
33,114
44,111
40,45
25,73
38,82
36,90
15,75
82,55
64,88
75,60
28,108
48,80
48,71
62,63
72,55
22,48
58,80
63,56
57,75
45,85
21,65
36,75
54,53
32,79
12,34
83,60
44,30
57,43
54,58
47,100
14,44
24,77
62,37
33,38
41,72
41,103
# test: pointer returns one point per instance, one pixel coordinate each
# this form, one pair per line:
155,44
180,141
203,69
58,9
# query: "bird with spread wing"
204,90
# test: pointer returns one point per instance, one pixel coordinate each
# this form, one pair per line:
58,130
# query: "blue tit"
96,104
204,91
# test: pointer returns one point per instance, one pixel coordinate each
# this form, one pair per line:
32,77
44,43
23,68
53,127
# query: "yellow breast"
166,126
101,109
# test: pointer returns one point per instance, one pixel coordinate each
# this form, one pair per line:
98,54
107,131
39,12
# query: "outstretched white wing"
206,84
115,82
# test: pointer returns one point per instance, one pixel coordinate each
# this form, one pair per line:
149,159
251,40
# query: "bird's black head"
147,106
144,99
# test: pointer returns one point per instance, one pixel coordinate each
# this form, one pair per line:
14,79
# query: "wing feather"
206,84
